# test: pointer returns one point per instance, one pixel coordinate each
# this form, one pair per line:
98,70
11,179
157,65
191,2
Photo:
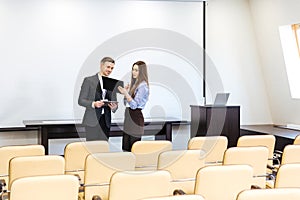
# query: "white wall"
268,15
231,44
242,42
45,44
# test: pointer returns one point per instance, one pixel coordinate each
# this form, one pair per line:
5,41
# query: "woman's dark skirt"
133,128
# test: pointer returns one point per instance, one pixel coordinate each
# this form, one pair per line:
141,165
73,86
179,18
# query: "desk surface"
272,130
215,106
115,121
73,128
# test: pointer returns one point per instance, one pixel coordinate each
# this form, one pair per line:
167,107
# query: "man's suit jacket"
91,91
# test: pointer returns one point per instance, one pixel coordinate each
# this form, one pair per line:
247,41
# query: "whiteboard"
48,46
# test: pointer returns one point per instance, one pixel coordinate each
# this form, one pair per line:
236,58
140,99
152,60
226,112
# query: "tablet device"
106,102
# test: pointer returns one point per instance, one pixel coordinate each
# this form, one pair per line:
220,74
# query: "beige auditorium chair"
179,197
297,140
100,167
256,157
183,166
223,182
259,140
58,187
291,154
288,175
147,152
75,154
28,166
213,146
9,152
136,185
270,194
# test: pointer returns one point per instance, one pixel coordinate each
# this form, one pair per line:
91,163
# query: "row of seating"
212,182
247,155
30,160
107,164
263,194
140,185
289,155
172,161
147,152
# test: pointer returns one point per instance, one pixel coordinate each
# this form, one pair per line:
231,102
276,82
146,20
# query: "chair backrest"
213,146
179,197
9,152
270,194
147,152
256,157
27,166
134,185
75,154
259,140
223,182
288,175
297,140
100,167
58,187
183,166
291,154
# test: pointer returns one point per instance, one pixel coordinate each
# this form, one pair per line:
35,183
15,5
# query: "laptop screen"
221,99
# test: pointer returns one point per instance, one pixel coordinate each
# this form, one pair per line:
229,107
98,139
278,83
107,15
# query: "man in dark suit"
97,116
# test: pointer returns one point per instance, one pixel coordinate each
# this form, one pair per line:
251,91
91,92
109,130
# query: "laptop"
221,99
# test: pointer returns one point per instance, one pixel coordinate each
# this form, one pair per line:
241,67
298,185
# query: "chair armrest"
4,196
79,179
255,187
2,185
178,192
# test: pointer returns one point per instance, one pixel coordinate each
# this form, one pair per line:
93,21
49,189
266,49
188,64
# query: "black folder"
112,84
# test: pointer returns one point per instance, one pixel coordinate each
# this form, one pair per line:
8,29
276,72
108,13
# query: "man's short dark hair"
107,59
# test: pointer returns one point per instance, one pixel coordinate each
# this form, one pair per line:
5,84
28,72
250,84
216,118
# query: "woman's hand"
125,93
122,90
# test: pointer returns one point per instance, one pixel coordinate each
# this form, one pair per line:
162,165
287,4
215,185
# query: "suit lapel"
98,92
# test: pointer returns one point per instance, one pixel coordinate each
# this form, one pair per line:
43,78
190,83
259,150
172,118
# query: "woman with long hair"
136,96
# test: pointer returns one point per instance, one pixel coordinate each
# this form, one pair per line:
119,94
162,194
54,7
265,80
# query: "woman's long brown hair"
143,76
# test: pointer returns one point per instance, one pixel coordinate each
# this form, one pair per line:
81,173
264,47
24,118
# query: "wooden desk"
212,120
59,129
283,136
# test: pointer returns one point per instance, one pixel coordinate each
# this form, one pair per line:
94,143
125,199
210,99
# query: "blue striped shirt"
141,96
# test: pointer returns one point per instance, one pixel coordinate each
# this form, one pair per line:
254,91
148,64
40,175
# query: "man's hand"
113,106
98,104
